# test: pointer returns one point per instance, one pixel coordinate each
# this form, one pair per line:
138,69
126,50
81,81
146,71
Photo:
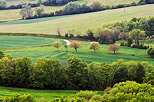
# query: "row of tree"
76,45
47,73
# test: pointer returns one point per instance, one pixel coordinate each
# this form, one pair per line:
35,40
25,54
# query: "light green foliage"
86,94
17,98
130,91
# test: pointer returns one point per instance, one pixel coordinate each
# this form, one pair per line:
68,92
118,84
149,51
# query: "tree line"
48,73
76,8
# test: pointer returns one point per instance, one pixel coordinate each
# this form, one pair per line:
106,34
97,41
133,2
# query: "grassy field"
35,47
14,14
108,2
81,22
18,42
47,94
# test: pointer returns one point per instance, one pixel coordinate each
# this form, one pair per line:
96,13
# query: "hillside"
14,14
81,22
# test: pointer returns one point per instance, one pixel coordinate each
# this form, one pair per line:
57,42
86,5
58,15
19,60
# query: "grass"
18,42
80,22
108,2
14,14
35,47
47,94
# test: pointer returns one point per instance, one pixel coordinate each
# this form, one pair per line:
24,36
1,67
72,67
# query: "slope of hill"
81,22
108,2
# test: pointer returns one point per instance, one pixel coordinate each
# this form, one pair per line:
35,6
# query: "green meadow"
47,94
36,47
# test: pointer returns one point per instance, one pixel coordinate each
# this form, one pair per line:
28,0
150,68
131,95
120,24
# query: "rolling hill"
80,22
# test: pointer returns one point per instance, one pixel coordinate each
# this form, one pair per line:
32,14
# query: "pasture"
47,94
80,22
35,47
108,2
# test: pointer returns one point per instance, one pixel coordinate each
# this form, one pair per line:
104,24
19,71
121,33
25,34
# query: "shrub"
86,94
150,52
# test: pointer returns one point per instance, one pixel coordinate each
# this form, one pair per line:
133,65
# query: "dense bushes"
48,73
128,91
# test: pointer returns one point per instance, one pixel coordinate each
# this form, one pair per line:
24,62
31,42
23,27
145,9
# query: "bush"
86,94
1,54
150,52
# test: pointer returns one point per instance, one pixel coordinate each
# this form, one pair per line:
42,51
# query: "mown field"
47,94
35,47
14,14
80,22
108,2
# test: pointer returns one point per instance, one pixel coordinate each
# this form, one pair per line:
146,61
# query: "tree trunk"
76,49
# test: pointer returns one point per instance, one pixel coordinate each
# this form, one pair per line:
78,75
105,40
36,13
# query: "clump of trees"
3,4
26,12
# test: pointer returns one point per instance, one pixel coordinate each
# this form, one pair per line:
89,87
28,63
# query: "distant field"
15,2
47,94
18,42
34,47
81,22
108,2
14,14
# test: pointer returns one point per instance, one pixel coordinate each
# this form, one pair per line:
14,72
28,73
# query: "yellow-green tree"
57,44
75,45
94,45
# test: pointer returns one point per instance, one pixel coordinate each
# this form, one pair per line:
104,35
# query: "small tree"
75,45
94,46
1,54
26,12
113,47
95,6
57,44
58,31
90,34
66,46
150,52
39,11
